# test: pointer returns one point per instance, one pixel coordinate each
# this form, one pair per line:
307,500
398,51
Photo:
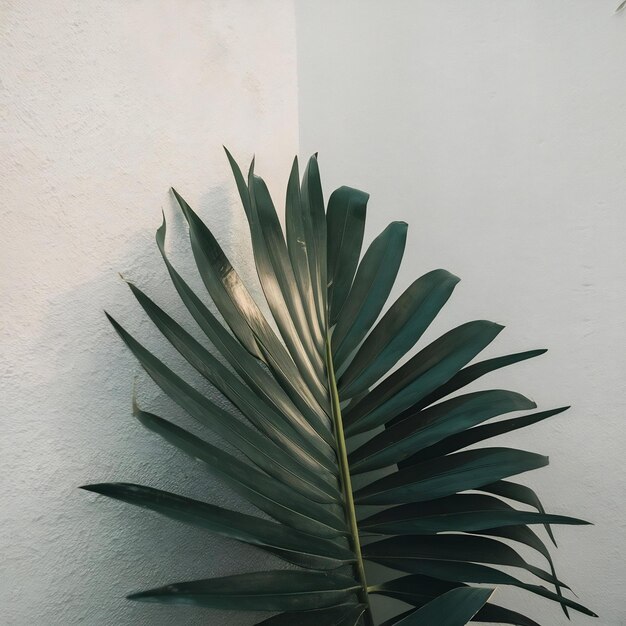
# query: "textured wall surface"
497,130
106,104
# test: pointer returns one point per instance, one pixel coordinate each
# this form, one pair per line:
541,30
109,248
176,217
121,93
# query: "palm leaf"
289,400
453,608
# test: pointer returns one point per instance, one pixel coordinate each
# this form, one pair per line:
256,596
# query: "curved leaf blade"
490,613
310,451
314,222
471,373
345,225
296,547
271,496
457,571
460,512
372,285
433,424
274,590
417,590
448,475
523,534
466,438
261,451
451,548
518,493
398,331
279,283
454,608
414,589
427,370
299,253
296,407
238,307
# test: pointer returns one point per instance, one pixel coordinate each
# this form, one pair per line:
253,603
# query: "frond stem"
346,483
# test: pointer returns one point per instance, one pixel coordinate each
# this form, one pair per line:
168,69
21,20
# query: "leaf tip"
160,232
94,488
496,326
138,595
179,198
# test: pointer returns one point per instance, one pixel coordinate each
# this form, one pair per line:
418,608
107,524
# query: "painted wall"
105,105
495,129
498,131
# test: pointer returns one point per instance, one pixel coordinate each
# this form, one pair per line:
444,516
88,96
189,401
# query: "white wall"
498,131
105,105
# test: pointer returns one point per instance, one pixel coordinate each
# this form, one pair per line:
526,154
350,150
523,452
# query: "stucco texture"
105,104
495,129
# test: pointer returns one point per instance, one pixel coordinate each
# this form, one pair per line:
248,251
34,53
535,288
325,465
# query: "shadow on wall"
86,552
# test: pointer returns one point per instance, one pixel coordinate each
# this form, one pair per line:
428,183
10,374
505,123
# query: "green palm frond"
324,403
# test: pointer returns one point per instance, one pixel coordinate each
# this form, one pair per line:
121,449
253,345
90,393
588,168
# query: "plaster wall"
497,131
105,105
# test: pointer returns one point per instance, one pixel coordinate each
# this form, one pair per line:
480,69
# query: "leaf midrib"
346,482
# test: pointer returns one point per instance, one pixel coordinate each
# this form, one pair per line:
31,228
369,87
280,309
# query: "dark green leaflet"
299,254
468,375
443,516
451,548
293,546
235,303
259,591
432,425
520,533
279,283
374,279
416,590
474,435
523,534
277,500
459,512
490,613
311,451
398,331
454,608
427,370
262,452
459,571
315,236
345,224
289,402
447,475
519,493
213,281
